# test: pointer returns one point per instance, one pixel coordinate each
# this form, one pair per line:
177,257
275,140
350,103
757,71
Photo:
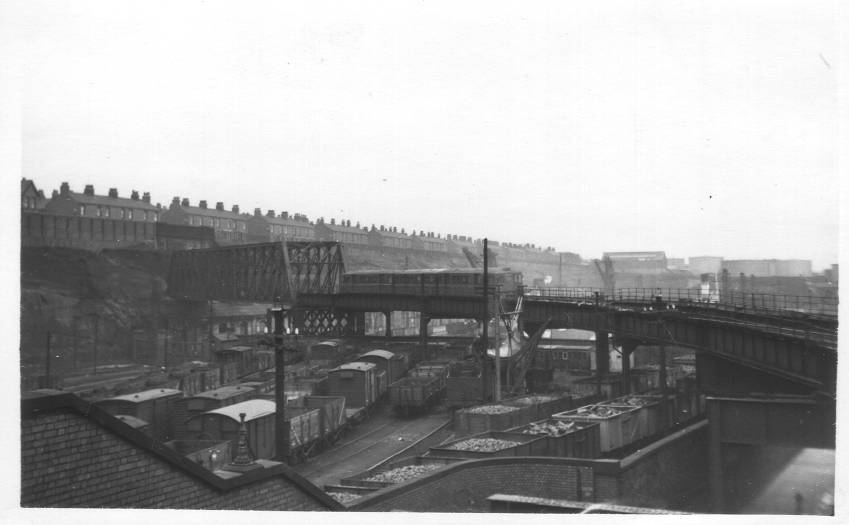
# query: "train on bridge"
455,282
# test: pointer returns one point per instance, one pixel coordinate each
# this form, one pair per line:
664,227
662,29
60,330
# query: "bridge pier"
628,348
424,319
387,315
602,354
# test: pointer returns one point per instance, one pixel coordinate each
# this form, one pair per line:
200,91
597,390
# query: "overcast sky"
698,128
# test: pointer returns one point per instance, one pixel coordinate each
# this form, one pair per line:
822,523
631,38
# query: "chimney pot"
146,197
113,192
134,195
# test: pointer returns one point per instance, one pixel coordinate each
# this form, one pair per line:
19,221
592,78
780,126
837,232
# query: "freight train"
437,282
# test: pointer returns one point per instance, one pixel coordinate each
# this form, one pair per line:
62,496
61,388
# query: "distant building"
638,262
389,238
676,263
768,267
230,227
32,198
427,241
704,264
271,228
111,206
343,232
833,274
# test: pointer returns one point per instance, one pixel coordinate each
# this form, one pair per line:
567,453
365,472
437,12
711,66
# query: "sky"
697,128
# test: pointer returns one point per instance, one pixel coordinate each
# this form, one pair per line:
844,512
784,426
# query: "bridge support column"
387,315
423,322
661,357
602,354
715,472
628,348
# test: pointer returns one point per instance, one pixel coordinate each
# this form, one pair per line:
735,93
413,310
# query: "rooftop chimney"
65,190
257,212
219,206
333,221
236,209
270,214
55,194
134,195
146,197
202,205
113,193
89,190
284,215
185,203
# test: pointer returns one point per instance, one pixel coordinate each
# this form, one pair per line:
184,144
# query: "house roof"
44,401
633,255
252,408
105,200
146,395
340,228
209,212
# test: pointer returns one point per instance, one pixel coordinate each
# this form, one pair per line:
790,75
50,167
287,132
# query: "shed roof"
225,392
147,395
252,408
383,354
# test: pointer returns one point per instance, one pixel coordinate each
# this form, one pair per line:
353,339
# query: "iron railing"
736,301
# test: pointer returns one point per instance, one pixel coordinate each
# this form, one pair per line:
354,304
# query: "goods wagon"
394,365
437,369
327,354
187,407
618,426
429,283
356,382
153,406
463,385
567,439
222,424
492,444
247,360
415,394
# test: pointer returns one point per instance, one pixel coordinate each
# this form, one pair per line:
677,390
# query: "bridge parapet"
734,302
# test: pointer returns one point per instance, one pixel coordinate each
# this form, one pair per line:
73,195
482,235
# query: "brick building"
229,226
638,262
342,232
32,198
111,206
74,454
428,242
704,264
271,227
389,238
768,267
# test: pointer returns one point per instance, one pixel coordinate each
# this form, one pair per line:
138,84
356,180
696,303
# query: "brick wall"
663,478
464,487
68,460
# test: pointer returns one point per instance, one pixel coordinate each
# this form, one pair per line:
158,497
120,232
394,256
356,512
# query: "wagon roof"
356,365
147,395
132,421
253,409
384,354
224,392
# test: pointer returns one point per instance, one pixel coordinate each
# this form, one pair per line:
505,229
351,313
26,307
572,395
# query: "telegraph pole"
485,331
281,426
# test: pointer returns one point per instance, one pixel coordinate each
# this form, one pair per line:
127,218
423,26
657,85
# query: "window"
217,223
155,216
106,211
130,214
99,211
144,216
82,211
121,214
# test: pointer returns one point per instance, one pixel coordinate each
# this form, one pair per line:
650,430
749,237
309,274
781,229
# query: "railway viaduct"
767,367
